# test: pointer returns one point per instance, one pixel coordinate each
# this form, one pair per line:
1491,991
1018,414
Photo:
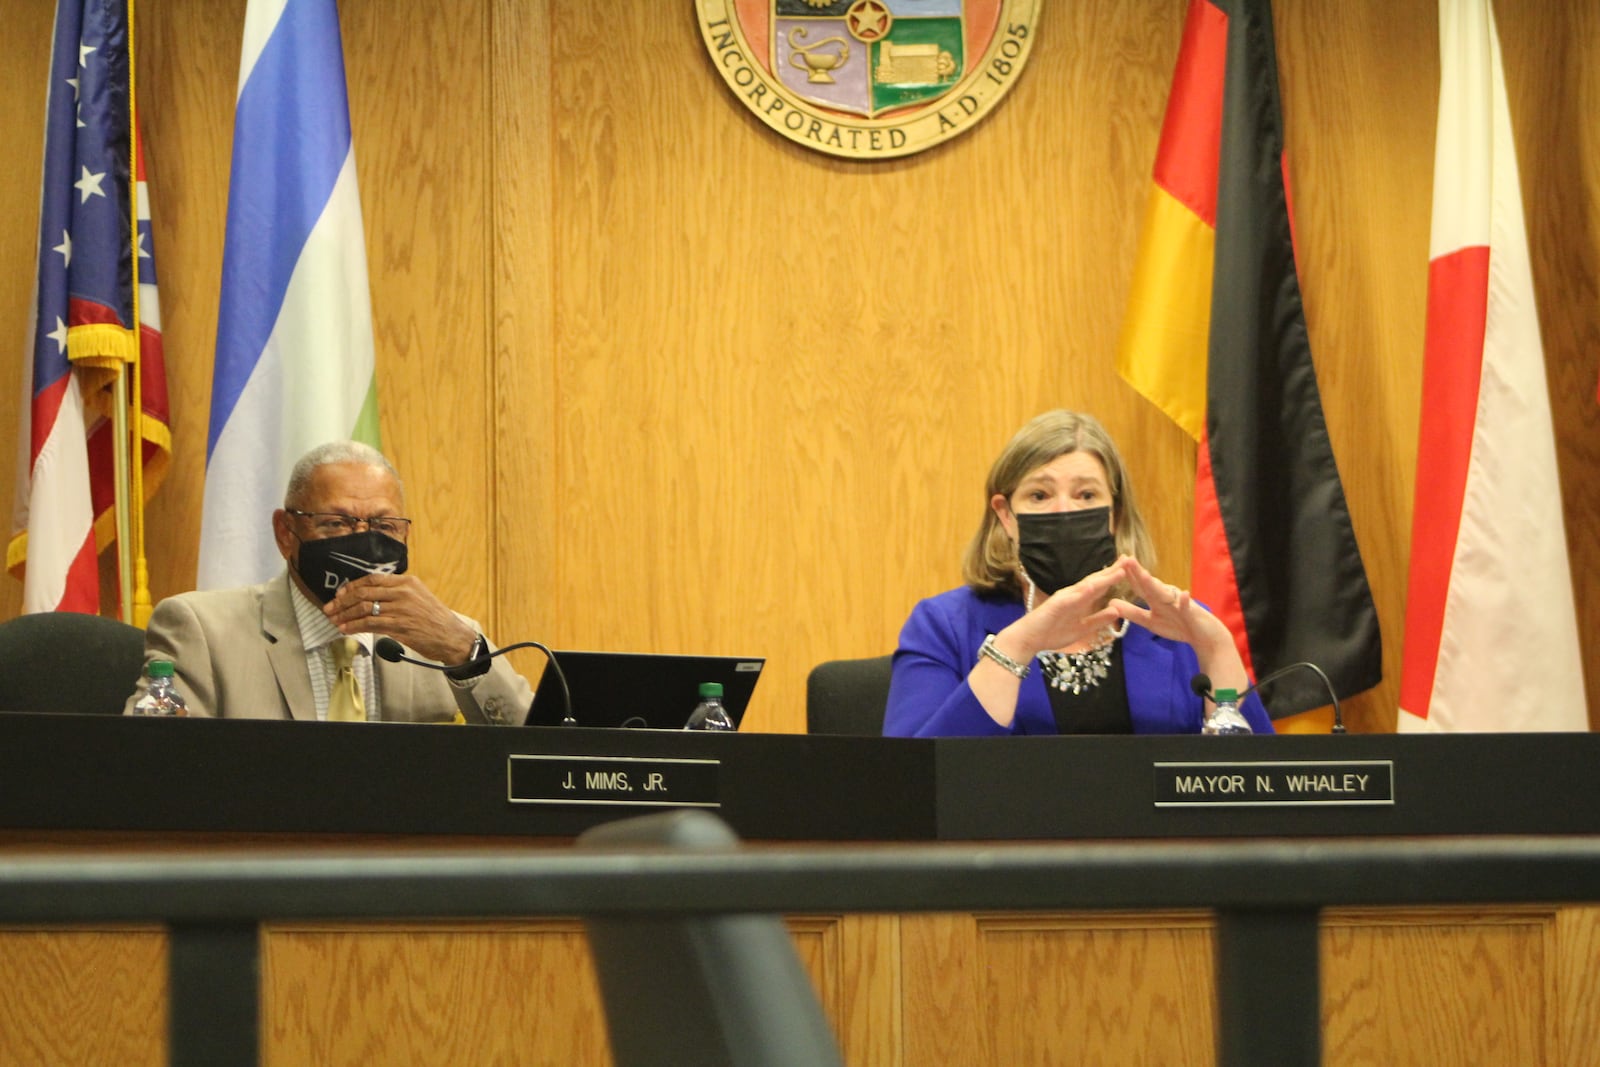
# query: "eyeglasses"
335,524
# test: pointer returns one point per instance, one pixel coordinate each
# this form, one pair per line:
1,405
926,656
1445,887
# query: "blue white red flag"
94,310
294,362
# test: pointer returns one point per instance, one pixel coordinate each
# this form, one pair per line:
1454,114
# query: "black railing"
1267,896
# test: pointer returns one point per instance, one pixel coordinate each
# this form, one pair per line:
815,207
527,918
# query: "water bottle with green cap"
709,714
160,694
1225,719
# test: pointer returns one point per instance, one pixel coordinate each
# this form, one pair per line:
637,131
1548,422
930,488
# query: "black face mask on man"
1061,548
326,564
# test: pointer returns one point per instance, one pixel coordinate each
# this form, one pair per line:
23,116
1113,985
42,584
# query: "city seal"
869,79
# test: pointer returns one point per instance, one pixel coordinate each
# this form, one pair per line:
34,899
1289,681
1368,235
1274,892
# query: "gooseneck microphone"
1201,684
388,648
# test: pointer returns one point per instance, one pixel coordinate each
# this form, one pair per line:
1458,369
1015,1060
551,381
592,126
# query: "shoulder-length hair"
990,562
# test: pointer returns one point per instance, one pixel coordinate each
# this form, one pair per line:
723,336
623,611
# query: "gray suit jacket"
238,655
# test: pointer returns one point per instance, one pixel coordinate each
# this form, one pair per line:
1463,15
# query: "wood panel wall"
660,380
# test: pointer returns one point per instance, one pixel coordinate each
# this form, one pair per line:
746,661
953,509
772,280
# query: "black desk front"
61,772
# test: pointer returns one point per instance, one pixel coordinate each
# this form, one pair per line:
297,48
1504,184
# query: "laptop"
648,690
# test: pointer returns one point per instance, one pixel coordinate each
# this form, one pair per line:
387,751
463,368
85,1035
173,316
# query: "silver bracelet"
987,649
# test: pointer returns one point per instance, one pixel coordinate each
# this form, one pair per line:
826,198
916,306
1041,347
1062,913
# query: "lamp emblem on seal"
816,59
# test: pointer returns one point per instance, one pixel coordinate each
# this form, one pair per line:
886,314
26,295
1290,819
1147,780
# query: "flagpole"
119,464
141,571
137,610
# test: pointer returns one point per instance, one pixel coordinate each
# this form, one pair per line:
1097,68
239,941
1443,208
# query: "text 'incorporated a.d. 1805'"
869,79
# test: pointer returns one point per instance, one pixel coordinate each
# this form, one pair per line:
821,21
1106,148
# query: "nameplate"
1274,784
613,781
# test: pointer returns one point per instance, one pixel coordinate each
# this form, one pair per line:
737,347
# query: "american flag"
95,308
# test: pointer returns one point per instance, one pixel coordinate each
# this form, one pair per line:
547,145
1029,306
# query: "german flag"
1216,337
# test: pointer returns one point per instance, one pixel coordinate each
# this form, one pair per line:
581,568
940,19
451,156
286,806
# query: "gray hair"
331,453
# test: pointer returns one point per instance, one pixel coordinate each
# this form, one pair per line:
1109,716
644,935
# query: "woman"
1059,573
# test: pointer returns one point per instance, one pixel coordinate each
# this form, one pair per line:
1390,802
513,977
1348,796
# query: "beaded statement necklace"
1073,672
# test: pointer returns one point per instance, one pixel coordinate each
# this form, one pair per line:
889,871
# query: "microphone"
1201,684
389,649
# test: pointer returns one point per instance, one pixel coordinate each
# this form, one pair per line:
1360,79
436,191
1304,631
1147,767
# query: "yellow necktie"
344,702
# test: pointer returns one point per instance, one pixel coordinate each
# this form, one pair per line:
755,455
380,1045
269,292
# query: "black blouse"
1099,709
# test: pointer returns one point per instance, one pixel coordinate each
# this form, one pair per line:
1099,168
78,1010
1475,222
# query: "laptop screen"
650,690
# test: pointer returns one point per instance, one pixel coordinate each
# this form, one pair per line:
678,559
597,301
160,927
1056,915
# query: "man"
300,646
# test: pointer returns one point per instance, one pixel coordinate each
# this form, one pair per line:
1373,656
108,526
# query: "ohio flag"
294,361
94,310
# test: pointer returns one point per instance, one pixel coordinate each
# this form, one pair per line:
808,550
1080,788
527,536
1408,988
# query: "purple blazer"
929,695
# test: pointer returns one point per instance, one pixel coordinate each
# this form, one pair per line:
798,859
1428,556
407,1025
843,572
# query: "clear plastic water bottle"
709,714
1225,718
160,695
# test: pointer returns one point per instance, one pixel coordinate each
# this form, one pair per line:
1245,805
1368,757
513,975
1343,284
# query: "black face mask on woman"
326,564
1061,548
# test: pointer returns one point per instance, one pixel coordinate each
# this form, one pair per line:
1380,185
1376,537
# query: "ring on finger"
377,609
